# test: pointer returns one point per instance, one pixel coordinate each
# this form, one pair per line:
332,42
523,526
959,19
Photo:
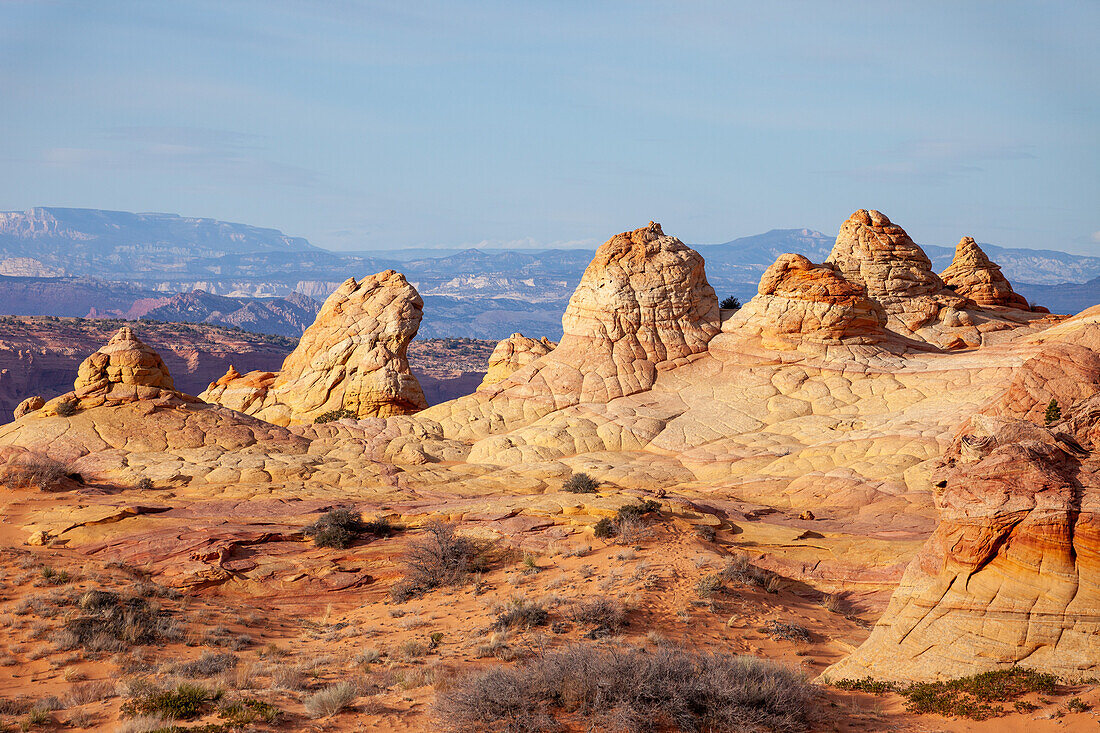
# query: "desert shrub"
632,690
708,585
522,614
331,700
706,533
1077,705
965,697
581,483
740,570
791,632
604,528
602,615
1053,412
336,528
184,702
207,665
380,527
87,692
33,471
730,303
145,484
66,409
249,710
638,509
333,415
114,623
973,697
442,557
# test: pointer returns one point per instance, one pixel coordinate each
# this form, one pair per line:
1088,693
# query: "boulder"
29,405
512,354
975,277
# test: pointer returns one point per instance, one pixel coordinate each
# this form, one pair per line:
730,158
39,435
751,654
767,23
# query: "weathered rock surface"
1012,573
807,302
512,354
643,305
353,357
974,276
29,405
878,255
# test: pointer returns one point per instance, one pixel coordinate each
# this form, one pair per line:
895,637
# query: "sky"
382,125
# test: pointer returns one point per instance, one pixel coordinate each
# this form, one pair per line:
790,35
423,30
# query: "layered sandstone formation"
975,277
124,370
1012,573
894,271
353,358
806,302
512,354
643,306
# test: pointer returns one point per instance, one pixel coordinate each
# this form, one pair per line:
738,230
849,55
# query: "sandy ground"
287,647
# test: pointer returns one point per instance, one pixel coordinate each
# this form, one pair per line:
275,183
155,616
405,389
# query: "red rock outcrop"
974,276
802,301
1012,573
354,357
512,354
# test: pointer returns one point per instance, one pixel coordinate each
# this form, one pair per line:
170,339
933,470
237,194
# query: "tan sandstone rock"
512,354
353,357
877,254
29,405
800,300
973,275
643,304
124,370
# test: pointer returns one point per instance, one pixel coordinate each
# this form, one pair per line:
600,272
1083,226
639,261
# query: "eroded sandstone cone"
973,275
643,304
353,358
124,360
877,254
512,354
1011,574
801,300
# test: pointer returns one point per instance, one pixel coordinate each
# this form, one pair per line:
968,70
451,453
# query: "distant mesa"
353,358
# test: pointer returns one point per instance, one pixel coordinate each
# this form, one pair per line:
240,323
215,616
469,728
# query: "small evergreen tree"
1054,412
730,303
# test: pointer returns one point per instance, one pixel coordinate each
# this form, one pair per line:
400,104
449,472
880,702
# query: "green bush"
185,702
604,528
333,415
730,303
580,483
336,528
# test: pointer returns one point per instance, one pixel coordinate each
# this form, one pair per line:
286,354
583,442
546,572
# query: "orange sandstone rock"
973,275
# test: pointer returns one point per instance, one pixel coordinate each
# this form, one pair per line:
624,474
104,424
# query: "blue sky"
373,125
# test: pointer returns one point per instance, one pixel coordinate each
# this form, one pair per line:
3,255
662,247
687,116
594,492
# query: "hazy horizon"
434,125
